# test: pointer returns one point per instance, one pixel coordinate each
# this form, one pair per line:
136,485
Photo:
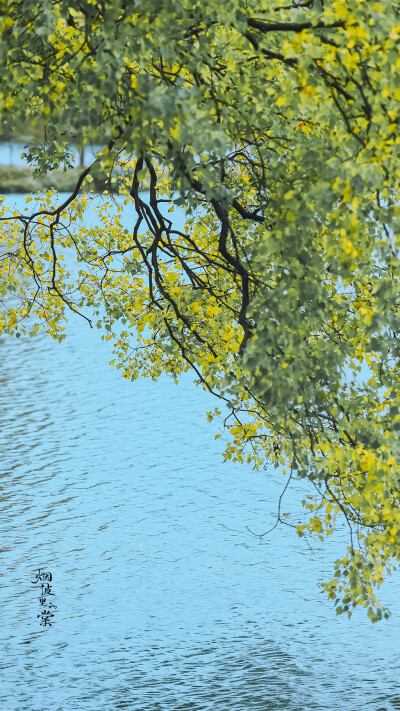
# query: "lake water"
10,153
164,600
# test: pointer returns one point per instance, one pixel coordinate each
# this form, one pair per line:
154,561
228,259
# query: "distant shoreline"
16,176
21,179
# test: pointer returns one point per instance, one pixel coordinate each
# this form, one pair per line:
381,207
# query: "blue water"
164,599
11,152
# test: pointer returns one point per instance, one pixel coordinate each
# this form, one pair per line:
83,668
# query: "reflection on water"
164,599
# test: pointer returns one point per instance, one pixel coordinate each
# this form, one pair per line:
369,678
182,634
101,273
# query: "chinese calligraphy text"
43,580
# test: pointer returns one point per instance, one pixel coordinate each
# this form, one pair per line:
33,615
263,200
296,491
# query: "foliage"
276,127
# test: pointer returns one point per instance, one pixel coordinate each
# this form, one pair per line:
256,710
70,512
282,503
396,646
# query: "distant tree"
275,125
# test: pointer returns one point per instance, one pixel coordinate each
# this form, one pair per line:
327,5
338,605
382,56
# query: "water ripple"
164,599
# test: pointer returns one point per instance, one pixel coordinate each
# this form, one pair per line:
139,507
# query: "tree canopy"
275,126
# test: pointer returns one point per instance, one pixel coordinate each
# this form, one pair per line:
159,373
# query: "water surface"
164,599
11,153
